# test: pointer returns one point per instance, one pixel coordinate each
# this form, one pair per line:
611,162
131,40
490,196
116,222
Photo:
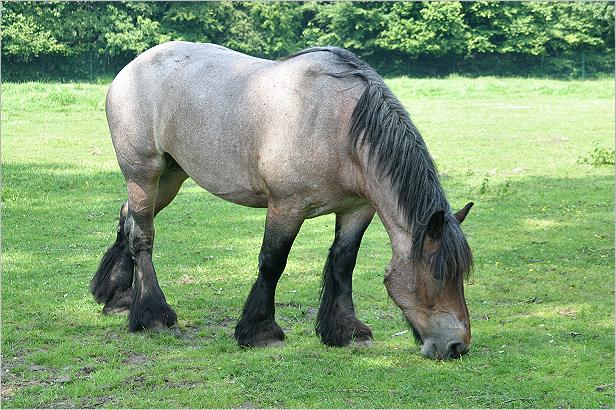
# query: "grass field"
541,296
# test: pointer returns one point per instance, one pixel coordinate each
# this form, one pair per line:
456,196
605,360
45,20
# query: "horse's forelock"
453,258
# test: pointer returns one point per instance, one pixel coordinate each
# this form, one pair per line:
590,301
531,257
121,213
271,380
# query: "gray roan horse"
315,133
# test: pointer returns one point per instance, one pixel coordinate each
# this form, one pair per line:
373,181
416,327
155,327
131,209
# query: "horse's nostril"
456,349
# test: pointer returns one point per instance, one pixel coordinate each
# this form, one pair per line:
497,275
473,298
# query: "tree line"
86,39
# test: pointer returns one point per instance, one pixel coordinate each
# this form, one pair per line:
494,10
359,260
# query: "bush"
83,39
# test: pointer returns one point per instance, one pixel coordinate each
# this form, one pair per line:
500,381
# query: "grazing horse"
315,133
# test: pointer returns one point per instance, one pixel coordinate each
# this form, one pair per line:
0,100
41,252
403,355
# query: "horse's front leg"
336,321
257,326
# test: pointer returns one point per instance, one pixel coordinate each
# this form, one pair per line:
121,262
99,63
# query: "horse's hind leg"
112,282
336,320
149,309
257,326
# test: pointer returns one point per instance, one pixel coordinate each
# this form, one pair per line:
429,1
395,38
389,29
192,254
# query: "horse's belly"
231,192
219,170
251,131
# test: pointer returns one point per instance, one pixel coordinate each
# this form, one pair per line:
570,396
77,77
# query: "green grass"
541,297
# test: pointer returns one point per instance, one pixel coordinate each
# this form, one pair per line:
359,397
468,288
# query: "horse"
314,133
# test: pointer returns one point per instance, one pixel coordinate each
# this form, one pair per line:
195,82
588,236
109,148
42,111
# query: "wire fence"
92,66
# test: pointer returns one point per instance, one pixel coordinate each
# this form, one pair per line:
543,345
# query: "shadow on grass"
55,211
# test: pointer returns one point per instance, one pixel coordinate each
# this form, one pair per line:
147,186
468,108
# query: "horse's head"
428,287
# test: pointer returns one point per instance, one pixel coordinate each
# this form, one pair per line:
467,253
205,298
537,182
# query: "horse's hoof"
262,334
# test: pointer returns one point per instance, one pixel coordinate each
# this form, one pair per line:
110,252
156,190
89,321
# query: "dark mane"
398,152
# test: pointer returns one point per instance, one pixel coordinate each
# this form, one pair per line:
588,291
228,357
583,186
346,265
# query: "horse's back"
244,128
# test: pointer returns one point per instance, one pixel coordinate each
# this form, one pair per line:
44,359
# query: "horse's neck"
383,198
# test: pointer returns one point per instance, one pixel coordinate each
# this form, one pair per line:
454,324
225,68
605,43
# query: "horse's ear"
461,214
435,225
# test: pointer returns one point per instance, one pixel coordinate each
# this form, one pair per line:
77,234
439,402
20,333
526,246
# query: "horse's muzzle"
442,351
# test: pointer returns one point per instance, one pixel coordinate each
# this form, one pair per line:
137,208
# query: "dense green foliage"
541,298
73,39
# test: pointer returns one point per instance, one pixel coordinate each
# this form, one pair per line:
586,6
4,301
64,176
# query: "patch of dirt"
182,384
567,312
189,332
62,404
7,390
210,328
4,374
36,383
18,359
186,280
38,368
96,402
136,380
247,405
65,378
112,336
85,371
225,323
100,359
136,359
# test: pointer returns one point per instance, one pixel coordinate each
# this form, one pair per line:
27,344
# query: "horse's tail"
116,268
